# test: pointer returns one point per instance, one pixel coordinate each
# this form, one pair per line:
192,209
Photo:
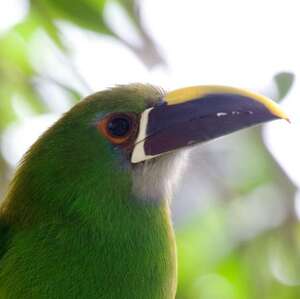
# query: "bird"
87,214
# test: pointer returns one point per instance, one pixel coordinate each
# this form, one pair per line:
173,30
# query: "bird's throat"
157,179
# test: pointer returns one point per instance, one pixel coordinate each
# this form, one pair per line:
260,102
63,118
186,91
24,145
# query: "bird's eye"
118,128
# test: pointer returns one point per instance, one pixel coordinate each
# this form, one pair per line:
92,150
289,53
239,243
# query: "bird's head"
139,130
127,139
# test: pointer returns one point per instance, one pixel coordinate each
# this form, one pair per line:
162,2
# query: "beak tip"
283,116
279,113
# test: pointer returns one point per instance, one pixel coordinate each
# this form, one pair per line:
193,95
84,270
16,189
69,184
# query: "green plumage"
87,213
71,227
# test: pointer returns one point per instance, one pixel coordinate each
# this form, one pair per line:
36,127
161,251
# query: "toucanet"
87,214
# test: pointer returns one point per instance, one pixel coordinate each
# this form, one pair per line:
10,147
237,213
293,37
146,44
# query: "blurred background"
237,210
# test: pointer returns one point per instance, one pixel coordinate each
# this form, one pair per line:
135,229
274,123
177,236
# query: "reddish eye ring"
118,128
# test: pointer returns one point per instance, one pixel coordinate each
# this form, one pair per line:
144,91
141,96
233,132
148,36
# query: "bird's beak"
196,114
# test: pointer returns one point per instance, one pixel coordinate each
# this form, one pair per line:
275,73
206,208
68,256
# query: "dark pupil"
119,126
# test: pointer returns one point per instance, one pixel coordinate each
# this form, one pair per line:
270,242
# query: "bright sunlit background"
237,210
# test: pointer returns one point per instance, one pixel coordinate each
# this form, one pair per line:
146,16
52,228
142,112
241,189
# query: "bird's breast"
136,261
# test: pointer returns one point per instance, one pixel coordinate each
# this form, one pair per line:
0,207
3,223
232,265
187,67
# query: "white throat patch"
157,179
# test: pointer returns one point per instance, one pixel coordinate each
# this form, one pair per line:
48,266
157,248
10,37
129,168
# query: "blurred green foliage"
246,243
284,82
20,73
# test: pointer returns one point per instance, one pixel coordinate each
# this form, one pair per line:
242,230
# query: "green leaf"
14,55
284,82
85,14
